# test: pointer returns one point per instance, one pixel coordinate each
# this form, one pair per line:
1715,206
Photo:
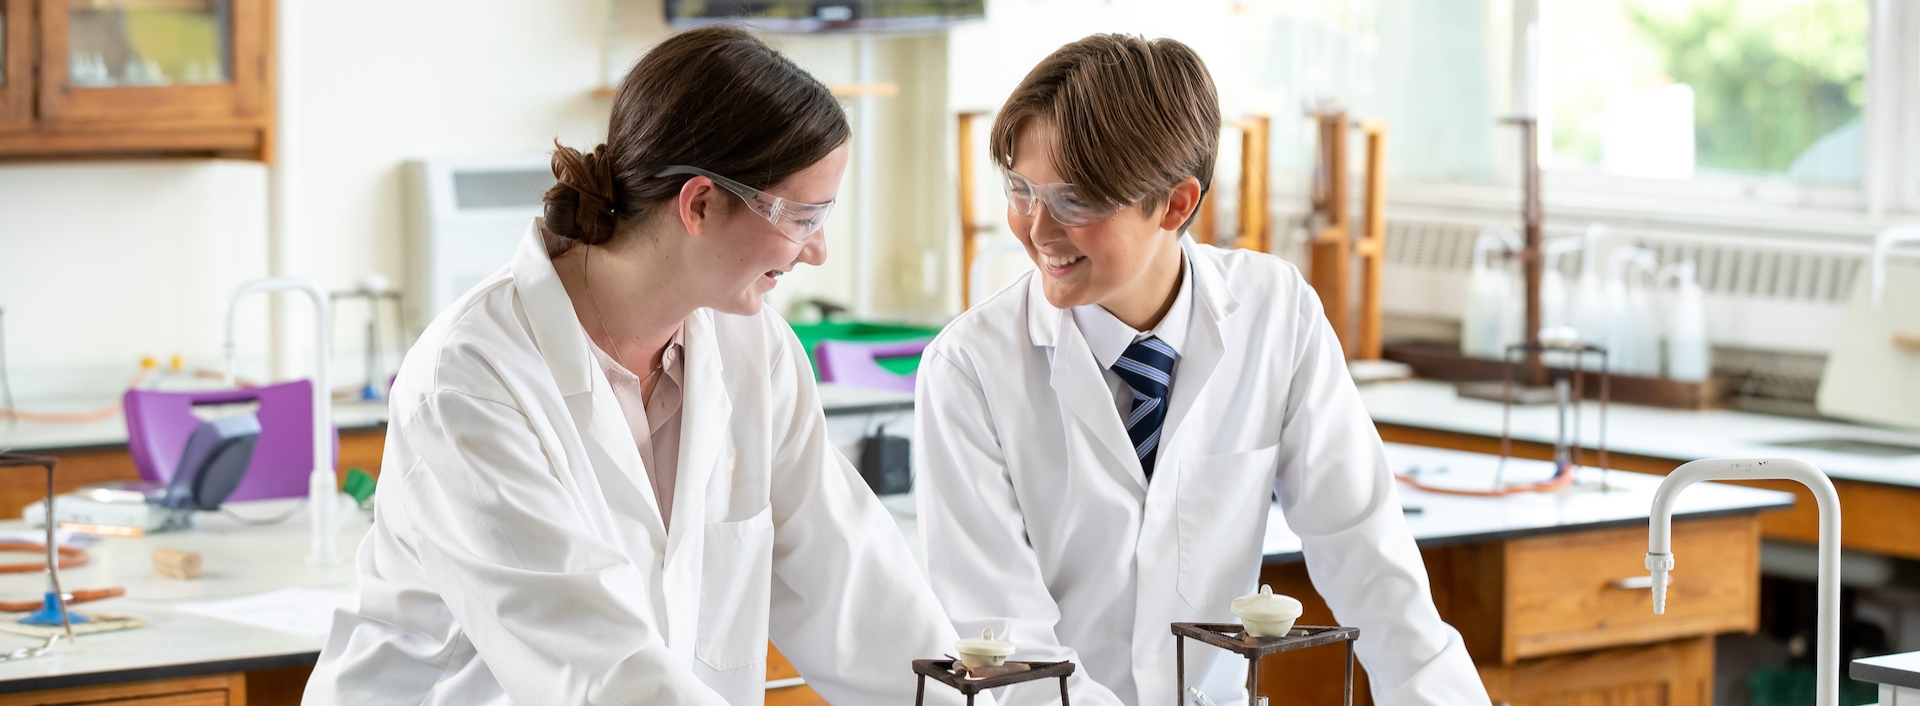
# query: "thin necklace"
586,280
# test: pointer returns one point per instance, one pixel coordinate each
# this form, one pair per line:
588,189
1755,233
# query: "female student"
1098,443
607,477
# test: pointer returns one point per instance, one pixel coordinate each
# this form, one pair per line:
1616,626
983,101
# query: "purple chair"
857,364
158,424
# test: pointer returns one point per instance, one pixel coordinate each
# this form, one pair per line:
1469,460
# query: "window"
1670,89
1717,109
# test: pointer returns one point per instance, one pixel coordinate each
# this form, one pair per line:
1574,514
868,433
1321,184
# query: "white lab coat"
1038,522
517,555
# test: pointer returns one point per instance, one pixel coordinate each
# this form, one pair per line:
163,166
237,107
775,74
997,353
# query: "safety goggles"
1064,202
798,221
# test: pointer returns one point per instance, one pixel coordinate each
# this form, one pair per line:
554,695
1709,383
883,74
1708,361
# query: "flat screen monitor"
825,15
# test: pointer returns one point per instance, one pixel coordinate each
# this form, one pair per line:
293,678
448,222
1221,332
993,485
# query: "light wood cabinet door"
200,61
1678,673
1554,594
137,77
216,690
1584,591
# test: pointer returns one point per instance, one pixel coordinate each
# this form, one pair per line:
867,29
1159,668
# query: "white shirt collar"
1108,337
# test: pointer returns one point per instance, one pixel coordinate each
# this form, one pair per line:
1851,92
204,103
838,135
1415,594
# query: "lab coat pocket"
735,584
1221,511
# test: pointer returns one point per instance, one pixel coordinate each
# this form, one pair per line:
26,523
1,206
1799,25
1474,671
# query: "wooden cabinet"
16,63
1551,620
1676,673
216,690
1555,594
136,77
1876,519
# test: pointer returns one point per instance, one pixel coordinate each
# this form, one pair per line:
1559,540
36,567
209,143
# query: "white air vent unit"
1762,294
466,218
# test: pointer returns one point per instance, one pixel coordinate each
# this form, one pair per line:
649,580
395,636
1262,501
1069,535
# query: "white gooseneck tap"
322,485
1660,543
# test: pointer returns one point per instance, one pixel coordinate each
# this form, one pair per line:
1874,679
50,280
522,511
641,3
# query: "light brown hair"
716,98
1134,117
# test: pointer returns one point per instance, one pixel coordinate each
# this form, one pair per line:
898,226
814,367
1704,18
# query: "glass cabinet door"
114,43
113,60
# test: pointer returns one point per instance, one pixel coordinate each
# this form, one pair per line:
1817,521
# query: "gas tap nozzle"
1659,564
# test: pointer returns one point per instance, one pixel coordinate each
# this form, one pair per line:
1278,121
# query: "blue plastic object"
49,614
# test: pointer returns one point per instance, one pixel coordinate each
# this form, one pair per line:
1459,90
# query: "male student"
1098,443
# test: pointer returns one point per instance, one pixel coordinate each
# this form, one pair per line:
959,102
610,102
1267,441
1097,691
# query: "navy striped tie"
1147,367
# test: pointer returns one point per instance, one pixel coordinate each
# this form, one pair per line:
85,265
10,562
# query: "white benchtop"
1437,519
1902,670
1682,435
238,561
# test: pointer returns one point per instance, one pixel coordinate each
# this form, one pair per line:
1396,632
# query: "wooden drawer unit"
1677,673
1551,595
217,690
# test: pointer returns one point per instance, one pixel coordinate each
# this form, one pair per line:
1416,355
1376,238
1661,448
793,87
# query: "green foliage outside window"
1769,77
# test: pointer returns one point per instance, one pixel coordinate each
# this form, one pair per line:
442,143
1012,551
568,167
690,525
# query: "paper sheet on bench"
301,611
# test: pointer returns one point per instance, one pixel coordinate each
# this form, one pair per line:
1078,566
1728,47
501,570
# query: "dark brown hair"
716,98
1134,116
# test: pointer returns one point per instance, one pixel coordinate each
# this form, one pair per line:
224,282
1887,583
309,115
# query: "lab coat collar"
1109,337
564,348
1076,375
556,331
1211,300
1209,282
703,429
1206,336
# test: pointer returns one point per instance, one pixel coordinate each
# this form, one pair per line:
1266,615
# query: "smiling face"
1128,262
741,254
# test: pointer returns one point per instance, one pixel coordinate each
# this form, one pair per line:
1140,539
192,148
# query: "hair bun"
582,204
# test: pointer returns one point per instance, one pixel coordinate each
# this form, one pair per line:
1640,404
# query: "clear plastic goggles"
1063,200
798,221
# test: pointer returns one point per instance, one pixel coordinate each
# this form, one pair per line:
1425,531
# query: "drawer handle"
1635,583
786,683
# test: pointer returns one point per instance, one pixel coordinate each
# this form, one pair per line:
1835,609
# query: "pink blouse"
655,422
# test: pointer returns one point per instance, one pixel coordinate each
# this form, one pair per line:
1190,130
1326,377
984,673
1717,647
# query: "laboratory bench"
1543,587
1548,590
182,658
1534,582
185,660
1898,676
1875,470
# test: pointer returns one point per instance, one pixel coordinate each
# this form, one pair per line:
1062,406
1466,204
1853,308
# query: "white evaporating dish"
1267,614
983,651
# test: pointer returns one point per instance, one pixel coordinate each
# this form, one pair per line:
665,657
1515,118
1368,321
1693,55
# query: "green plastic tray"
864,332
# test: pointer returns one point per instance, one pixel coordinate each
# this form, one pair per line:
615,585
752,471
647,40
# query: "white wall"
103,262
